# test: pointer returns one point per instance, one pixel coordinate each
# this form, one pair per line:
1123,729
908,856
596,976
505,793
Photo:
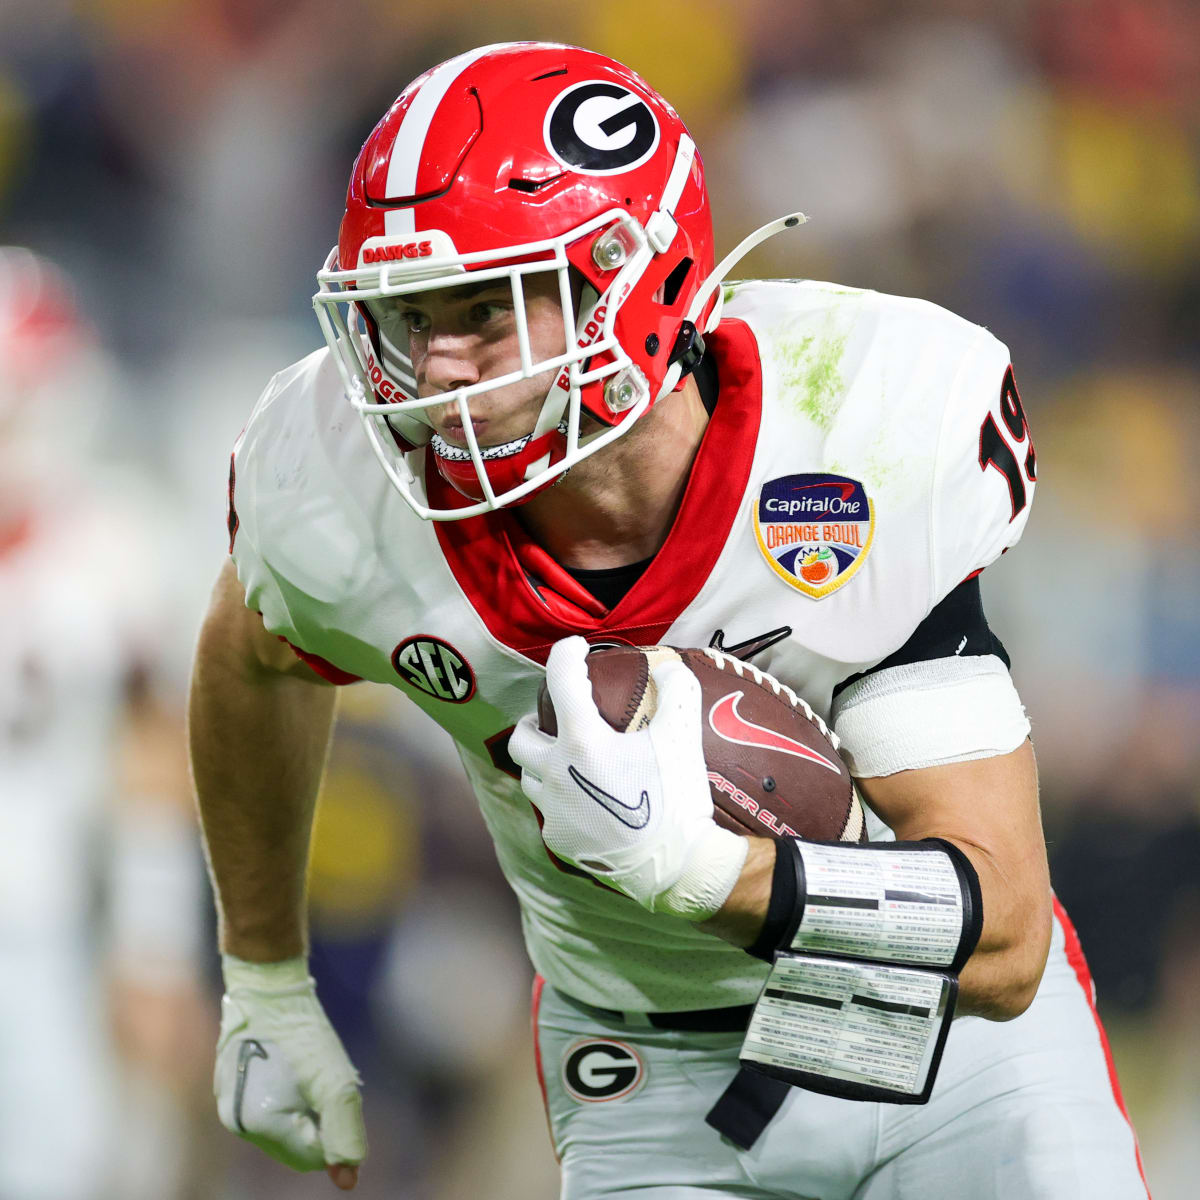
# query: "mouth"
445,448
454,434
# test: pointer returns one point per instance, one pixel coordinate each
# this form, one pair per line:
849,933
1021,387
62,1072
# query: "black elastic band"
786,906
789,893
726,1019
746,1106
733,1019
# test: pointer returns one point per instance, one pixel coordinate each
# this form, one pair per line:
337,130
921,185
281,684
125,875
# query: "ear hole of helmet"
669,289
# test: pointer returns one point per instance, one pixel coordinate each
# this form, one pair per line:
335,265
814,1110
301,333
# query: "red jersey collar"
529,602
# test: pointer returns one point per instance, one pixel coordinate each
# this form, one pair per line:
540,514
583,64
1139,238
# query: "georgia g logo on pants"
599,1069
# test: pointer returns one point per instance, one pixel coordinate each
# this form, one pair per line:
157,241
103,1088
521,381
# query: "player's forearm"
988,808
740,918
1000,978
258,741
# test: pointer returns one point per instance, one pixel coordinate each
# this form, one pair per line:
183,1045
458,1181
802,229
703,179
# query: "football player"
542,420
94,796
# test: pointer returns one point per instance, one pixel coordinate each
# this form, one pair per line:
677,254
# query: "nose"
447,364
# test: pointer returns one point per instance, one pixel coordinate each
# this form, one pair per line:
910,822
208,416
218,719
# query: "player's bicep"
945,696
990,801
237,633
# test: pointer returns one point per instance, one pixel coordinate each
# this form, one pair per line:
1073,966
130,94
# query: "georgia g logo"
599,1069
600,128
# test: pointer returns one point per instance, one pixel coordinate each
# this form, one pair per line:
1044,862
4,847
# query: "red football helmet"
504,162
49,354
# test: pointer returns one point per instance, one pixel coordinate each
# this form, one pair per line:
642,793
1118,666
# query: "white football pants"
1027,1109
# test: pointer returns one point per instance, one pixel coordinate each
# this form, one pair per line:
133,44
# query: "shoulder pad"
914,405
986,468
298,536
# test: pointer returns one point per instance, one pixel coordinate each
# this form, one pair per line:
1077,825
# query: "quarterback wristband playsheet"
893,902
860,1030
865,943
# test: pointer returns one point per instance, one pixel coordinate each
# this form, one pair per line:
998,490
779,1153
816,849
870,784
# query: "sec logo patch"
814,530
600,1069
435,668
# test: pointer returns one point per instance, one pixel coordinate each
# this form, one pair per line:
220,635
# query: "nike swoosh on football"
726,722
633,815
249,1049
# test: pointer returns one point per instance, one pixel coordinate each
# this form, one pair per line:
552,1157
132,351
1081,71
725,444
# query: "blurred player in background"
100,883
529,226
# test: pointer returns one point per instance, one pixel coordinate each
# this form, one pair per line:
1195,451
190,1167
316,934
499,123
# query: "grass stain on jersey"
810,369
885,474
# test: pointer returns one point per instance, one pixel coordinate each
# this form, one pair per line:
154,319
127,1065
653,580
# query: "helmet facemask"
594,375
502,162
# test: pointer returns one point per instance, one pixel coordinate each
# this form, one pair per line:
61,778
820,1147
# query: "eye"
484,312
413,320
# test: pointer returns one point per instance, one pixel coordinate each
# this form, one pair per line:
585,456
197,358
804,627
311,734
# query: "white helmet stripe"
680,169
406,152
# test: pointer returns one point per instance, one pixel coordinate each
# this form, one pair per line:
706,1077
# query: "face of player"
462,335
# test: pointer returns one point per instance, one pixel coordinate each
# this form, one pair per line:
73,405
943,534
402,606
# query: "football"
773,765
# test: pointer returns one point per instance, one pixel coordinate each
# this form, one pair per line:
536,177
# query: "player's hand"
633,809
283,1079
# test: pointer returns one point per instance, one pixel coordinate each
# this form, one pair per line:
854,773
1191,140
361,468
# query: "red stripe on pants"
538,984
1079,966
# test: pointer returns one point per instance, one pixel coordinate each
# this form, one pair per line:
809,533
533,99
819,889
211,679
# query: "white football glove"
633,809
283,1079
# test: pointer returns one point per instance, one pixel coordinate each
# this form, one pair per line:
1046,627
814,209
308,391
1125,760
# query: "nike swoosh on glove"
633,809
283,1079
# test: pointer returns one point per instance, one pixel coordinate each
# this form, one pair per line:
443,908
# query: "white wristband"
277,978
709,877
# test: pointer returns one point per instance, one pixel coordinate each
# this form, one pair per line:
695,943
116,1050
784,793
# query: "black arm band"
786,906
858,904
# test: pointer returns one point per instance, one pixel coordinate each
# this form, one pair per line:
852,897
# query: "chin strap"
714,281
690,329
689,344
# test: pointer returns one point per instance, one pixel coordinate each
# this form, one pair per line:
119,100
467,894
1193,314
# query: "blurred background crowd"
179,166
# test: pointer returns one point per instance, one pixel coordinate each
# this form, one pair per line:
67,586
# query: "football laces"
742,668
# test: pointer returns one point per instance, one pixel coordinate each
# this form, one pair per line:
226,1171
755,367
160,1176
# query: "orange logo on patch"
814,530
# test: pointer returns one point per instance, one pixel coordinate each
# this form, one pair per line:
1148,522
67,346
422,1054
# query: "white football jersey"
66,636
867,454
